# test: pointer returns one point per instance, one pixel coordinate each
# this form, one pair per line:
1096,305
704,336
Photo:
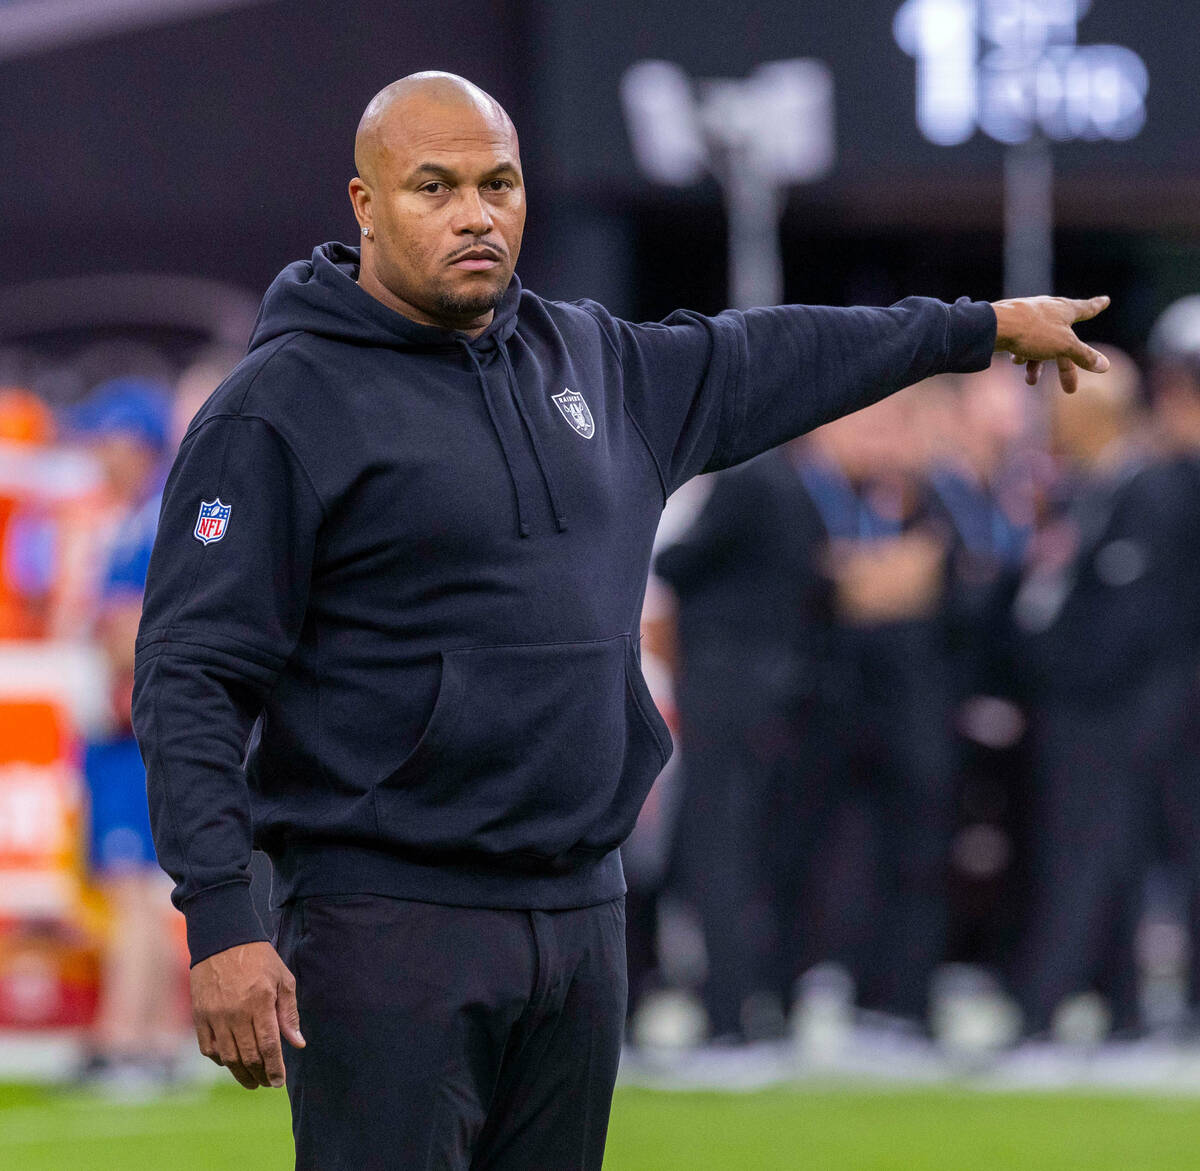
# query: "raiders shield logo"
212,521
575,411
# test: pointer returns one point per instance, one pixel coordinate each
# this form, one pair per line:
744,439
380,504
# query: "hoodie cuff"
221,917
971,339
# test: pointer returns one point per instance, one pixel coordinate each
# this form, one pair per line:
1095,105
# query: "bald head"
405,106
440,200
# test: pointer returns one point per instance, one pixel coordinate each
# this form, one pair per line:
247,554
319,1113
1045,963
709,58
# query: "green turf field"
827,1130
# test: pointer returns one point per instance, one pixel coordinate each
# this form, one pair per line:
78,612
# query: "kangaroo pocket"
541,752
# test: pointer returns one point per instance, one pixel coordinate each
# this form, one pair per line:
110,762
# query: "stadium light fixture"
756,136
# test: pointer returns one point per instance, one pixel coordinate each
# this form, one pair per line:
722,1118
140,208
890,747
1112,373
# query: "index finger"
270,1048
1086,310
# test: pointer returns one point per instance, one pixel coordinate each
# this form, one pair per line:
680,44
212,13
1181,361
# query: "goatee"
467,307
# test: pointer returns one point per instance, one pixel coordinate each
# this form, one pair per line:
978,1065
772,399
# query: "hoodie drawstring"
522,524
560,517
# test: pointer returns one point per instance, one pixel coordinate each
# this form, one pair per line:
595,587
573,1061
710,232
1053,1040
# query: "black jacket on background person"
1124,605
748,569
753,619
427,587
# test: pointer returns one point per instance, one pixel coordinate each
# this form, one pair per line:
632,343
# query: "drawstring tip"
562,523
523,530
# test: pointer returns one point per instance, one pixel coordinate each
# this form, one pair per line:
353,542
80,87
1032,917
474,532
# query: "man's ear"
360,199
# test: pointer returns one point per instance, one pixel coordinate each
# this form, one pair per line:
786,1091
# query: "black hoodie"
424,596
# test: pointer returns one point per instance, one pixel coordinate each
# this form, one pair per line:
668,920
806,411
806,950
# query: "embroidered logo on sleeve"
575,411
212,521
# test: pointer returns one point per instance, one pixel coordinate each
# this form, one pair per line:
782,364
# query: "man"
1103,614
1174,349
751,603
887,670
124,423
406,542
981,474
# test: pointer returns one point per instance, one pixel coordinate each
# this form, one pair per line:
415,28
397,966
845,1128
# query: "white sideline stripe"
30,25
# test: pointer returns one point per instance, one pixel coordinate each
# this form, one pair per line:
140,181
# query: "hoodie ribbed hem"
317,869
221,917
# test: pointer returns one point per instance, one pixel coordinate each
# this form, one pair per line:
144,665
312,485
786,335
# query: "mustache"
492,252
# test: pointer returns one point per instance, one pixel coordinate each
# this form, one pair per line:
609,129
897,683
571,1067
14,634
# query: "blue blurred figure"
125,424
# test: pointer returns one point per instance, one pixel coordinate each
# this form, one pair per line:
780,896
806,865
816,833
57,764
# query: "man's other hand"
243,999
1038,329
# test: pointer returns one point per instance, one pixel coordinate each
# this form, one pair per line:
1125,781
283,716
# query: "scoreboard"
927,94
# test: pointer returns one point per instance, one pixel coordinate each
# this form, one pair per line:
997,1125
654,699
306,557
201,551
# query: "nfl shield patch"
575,410
212,521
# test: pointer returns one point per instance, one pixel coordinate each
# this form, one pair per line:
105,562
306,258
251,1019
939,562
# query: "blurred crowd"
937,699
80,488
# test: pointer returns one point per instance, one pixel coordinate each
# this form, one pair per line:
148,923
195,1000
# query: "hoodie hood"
322,296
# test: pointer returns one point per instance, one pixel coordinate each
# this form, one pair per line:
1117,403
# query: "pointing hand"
1038,329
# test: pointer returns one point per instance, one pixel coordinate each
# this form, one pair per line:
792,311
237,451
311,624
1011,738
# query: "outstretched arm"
709,392
1038,329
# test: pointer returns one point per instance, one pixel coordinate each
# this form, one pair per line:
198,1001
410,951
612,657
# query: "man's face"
994,406
126,462
445,204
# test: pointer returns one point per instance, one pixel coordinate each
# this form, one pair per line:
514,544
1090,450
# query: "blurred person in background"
202,375
647,855
1174,351
26,514
1102,617
125,425
749,595
982,460
886,565
55,517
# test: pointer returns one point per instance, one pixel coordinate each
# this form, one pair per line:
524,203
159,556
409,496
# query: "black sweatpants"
452,1038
